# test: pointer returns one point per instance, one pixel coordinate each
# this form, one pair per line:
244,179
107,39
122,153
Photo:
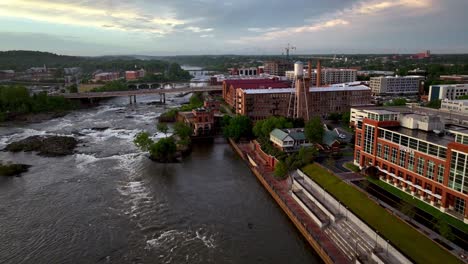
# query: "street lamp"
376,232
387,246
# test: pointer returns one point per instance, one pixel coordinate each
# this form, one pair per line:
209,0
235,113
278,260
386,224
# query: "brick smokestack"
319,74
309,76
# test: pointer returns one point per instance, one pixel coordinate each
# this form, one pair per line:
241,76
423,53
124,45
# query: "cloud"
207,36
93,14
198,29
261,30
337,19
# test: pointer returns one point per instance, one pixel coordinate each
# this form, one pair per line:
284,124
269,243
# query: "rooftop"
442,139
312,89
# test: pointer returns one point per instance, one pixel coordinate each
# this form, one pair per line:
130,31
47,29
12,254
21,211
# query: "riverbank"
279,191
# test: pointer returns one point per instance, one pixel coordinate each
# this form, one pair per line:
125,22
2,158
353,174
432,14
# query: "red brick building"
230,86
411,157
259,104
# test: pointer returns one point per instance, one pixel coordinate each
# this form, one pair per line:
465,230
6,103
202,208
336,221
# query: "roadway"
142,92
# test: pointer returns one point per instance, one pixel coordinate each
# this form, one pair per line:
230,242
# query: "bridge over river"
133,93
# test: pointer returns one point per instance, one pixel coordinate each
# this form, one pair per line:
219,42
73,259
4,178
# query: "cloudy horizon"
179,27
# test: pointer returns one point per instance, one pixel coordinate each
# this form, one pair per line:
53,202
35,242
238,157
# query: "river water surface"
109,203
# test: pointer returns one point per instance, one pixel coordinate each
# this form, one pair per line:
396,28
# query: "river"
108,203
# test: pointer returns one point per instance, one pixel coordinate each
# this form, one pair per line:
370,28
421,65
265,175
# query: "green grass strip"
409,241
420,204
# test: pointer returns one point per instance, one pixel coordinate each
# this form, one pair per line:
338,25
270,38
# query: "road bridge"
133,93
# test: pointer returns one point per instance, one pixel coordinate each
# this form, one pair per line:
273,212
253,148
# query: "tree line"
16,100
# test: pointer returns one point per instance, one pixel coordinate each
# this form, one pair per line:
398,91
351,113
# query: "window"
379,150
440,173
458,177
394,155
402,158
411,161
404,141
358,139
459,205
386,151
422,147
420,168
358,157
430,170
413,144
369,139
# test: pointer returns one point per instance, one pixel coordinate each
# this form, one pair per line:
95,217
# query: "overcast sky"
176,27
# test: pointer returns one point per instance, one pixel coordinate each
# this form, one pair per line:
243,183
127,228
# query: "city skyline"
179,27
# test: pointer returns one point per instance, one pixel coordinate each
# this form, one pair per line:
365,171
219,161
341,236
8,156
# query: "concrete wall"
381,242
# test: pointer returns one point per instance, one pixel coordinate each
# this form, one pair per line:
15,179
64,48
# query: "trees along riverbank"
16,103
167,149
241,127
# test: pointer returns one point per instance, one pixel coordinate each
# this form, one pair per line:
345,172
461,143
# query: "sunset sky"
175,27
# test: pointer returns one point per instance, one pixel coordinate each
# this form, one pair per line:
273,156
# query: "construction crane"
289,48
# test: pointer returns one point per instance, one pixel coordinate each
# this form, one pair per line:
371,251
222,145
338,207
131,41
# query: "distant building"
72,71
259,104
289,140
375,73
230,86
134,75
201,120
7,74
277,67
328,76
396,85
455,78
422,55
457,106
250,71
106,76
447,91
417,154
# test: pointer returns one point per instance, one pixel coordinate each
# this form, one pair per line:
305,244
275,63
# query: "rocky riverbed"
47,146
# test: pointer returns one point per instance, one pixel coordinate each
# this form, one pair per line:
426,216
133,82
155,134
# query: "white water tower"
298,69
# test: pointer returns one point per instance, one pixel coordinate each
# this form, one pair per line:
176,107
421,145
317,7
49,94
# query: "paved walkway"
282,190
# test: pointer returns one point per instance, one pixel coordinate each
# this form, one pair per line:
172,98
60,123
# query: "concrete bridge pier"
132,99
162,98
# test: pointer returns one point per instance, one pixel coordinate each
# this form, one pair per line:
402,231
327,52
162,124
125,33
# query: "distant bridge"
134,93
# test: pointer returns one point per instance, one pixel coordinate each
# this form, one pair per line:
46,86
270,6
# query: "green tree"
306,155
314,130
434,104
143,141
345,118
239,126
396,102
407,209
163,128
182,130
335,117
73,88
281,170
330,162
164,150
263,127
444,228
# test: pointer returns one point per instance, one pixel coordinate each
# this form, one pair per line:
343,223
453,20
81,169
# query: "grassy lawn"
420,204
412,243
352,167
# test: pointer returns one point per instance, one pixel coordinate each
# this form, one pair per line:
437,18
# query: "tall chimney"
319,74
309,76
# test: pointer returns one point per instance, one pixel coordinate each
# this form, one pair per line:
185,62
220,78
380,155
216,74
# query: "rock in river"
48,146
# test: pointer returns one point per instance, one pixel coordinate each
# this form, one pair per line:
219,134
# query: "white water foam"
175,238
99,136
